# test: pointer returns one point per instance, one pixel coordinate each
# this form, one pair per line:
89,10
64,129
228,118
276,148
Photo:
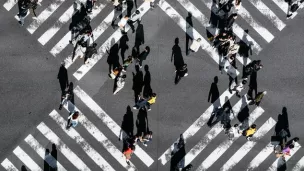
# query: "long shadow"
113,57
220,113
245,49
23,168
138,82
178,154
253,85
127,124
189,31
54,154
214,93
147,92
139,36
63,78
282,126
78,16
177,55
244,113
123,46
46,166
142,122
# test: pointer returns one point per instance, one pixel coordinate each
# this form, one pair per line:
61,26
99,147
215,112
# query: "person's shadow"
137,82
282,125
78,16
139,36
214,19
245,49
127,124
54,154
214,93
123,46
142,122
189,31
178,154
253,85
113,57
177,55
63,78
23,168
147,83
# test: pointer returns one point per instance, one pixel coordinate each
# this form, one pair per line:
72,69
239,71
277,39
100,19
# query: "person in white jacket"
239,87
120,83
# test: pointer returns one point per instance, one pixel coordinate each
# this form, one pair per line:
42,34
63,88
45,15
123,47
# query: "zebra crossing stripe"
236,28
201,145
32,142
107,44
197,125
200,16
237,157
255,25
268,13
26,159
278,162
282,4
65,40
100,137
299,166
63,148
96,32
8,165
9,4
91,152
265,152
110,123
41,18
172,13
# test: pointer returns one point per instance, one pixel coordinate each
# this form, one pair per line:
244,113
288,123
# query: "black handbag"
275,140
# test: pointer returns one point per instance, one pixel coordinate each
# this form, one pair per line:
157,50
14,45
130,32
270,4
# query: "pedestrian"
181,72
128,152
141,103
195,45
73,119
120,83
151,101
90,51
114,73
249,132
147,138
63,78
83,41
293,6
230,21
143,56
219,39
24,6
239,87
122,23
254,66
236,5
67,96
126,63
134,18
233,131
89,5
259,97
81,28
177,55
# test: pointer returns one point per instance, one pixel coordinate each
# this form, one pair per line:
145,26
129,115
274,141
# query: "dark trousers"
250,91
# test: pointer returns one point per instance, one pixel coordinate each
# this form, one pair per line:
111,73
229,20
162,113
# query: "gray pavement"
30,91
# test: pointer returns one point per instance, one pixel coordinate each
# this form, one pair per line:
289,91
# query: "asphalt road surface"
30,91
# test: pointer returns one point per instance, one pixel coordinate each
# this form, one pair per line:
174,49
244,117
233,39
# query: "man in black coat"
63,78
143,56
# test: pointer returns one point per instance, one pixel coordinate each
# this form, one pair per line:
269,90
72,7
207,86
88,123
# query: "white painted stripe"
238,31
268,13
41,18
237,157
201,145
299,166
26,159
72,133
96,32
282,4
295,13
275,165
255,25
9,4
64,18
243,60
31,141
8,165
65,40
265,152
100,137
171,12
107,44
110,123
63,148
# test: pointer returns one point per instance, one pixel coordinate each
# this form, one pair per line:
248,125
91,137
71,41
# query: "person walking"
254,66
73,119
63,78
67,96
122,23
181,72
239,87
128,152
134,18
233,131
229,22
151,101
249,132
120,82
177,55
24,6
90,51
126,63
143,56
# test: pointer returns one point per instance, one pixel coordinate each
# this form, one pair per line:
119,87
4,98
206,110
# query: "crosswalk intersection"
35,153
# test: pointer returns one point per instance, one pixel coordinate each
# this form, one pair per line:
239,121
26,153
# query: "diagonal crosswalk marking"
225,145
237,157
8,165
275,165
201,145
63,148
100,137
282,4
299,166
90,151
9,4
268,13
265,152
172,13
110,123
66,38
32,142
41,18
26,159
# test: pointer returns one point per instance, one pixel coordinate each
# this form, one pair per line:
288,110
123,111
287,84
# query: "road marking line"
42,17
281,4
277,163
65,40
100,137
26,159
63,148
268,13
265,152
8,165
31,141
299,166
110,123
214,131
9,4
107,44
237,156
172,13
